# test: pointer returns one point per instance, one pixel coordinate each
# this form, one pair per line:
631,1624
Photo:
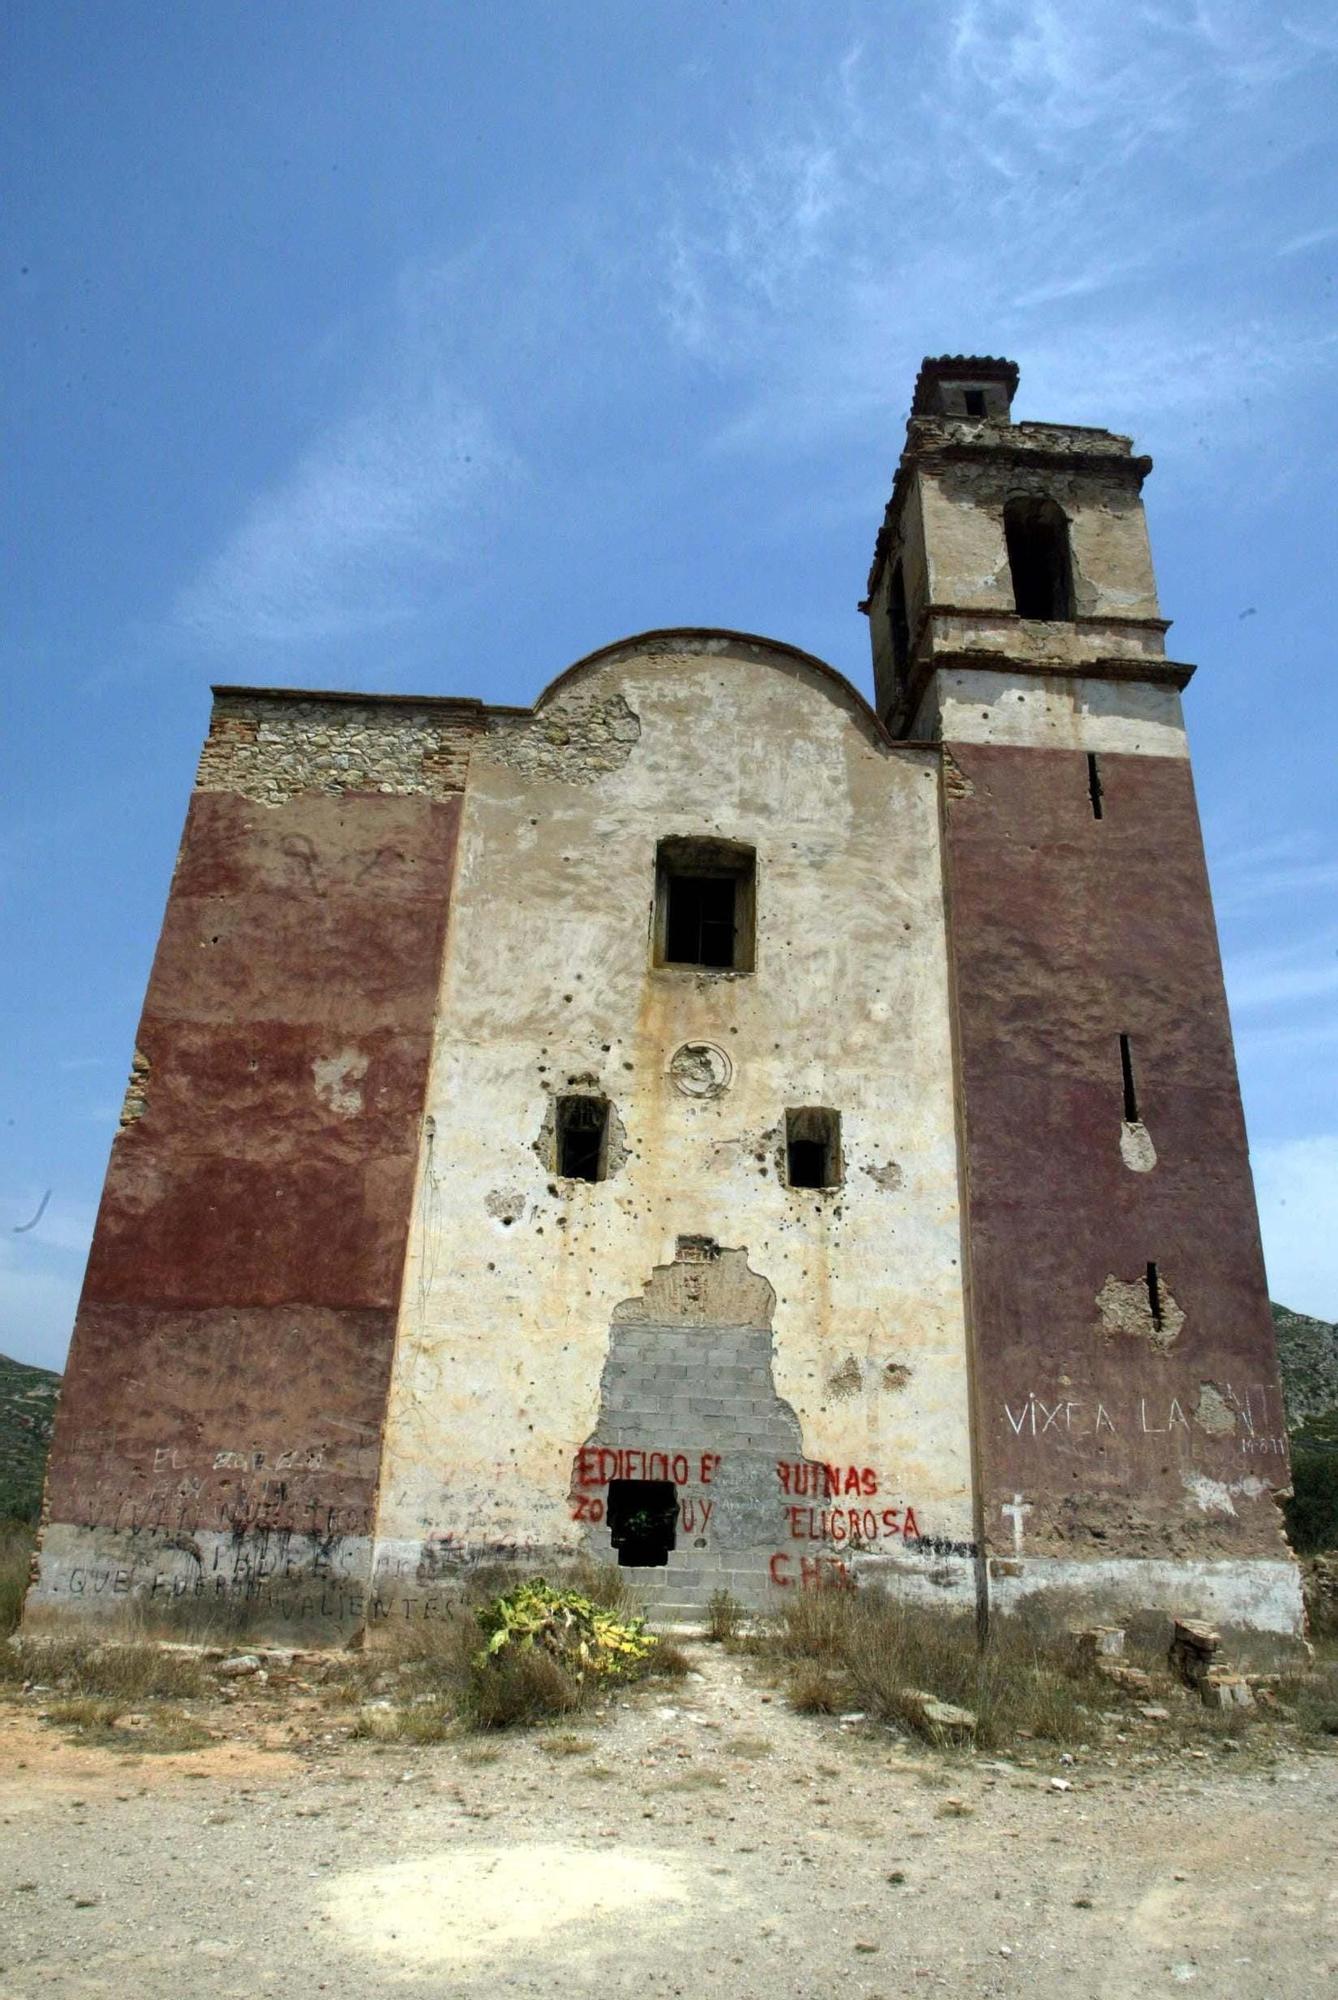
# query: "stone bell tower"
1129,1430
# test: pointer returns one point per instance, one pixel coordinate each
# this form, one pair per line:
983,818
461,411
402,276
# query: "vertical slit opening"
1094,786
1154,1296
1130,1089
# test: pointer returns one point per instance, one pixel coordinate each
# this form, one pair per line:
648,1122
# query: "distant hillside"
1308,1352
27,1411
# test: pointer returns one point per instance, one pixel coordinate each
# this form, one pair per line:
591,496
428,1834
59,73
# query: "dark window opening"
1037,534
700,920
643,1521
975,402
1094,791
898,619
813,1147
582,1129
1154,1296
1130,1090
705,904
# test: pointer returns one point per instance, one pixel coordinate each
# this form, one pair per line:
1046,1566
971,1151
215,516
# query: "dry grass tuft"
423,1722
865,1651
83,1712
526,1689
816,1690
1311,1699
847,1650
567,1744
437,1680
668,1660
696,1781
126,1672
747,1746
724,1617
109,1725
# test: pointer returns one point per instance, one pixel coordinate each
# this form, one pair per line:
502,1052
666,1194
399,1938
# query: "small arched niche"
1037,534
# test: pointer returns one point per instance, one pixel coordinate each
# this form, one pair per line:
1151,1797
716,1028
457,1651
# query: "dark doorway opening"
643,1521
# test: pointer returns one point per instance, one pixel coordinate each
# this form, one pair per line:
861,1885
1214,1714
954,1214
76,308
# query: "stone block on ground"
1223,1690
1134,1680
941,1719
1099,1642
1194,1645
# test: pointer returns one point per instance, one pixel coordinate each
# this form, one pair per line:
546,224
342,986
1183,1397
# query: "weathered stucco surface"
508,1304
1052,711
1097,1439
962,506
220,1426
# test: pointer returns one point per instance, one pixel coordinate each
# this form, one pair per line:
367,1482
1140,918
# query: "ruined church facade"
702,1121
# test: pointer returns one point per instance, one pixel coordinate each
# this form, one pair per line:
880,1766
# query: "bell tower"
1129,1431
1012,571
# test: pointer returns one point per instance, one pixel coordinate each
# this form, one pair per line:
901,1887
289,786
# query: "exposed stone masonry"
271,748
577,738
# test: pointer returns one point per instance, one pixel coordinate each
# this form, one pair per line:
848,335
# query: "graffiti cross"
1016,1509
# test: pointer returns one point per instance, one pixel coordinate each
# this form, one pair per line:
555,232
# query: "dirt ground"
696,1838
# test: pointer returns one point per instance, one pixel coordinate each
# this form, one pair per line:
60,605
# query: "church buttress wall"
219,1439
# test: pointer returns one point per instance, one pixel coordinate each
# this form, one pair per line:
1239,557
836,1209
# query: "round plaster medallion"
700,1069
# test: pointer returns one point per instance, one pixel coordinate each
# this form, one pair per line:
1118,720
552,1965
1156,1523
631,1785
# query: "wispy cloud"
1283,994
1310,239
1297,1186
354,537
1272,979
1291,868
1010,188
41,1270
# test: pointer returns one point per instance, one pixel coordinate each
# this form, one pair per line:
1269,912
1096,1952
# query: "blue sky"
425,347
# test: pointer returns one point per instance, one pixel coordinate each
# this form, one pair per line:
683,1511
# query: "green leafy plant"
578,1635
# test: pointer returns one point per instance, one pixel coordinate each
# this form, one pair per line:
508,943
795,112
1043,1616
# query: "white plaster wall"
1053,712
505,1323
1255,1593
